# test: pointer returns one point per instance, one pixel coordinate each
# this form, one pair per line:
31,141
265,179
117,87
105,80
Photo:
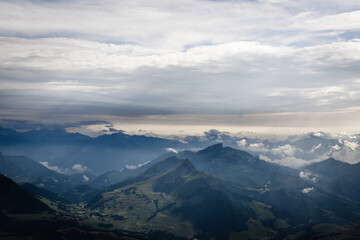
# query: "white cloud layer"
351,145
299,151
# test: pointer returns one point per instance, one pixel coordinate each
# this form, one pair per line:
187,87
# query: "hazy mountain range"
73,152
217,192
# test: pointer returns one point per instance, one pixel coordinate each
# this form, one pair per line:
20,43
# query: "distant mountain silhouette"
100,154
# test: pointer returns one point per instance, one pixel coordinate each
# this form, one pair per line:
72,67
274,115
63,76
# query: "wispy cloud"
55,168
172,150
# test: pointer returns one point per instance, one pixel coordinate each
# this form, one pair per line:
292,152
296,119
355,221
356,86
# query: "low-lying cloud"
307,190
55,168
79,168
172,150
309,176
301,150
132,167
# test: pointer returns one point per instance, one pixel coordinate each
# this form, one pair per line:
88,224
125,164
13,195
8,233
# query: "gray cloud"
23,124
268,62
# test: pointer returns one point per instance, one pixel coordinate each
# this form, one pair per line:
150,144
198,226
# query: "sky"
175,67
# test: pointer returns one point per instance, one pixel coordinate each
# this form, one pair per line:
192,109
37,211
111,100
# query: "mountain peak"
330,162
215,147
186,168
172,180
332,168
162,167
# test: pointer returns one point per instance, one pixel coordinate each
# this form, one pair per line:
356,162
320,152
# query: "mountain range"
218,192
73,152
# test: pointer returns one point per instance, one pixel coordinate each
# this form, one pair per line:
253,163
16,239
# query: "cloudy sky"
280,66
